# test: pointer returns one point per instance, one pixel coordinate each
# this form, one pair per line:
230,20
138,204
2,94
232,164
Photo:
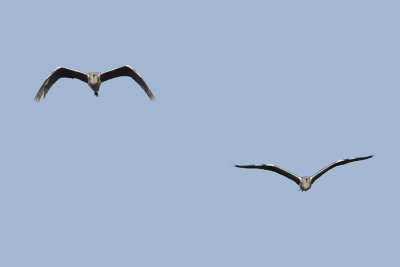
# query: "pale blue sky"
122,181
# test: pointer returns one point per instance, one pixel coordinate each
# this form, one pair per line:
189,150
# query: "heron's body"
304,182
93,79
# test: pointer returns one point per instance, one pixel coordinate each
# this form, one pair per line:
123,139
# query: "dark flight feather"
273,168
58,73
335,164
126,71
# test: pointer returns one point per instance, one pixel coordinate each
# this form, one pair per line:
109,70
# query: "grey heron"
304,182
93,79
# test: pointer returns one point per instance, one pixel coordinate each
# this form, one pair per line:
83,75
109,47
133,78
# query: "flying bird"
304,182
93,79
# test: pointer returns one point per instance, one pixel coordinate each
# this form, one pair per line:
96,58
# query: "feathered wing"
273,168
127,71
58,73
335,164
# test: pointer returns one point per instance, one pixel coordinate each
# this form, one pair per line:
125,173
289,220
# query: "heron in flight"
304,182
93,79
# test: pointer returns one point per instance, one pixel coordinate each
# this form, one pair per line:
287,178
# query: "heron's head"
94,81
305,183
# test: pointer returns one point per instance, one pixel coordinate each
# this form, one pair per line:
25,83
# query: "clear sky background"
122,181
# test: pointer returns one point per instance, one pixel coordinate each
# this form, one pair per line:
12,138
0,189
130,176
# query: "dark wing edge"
130,72
273,168
58,73
335,164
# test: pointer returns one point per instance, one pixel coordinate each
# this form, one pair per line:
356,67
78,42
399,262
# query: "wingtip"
152,97
368,157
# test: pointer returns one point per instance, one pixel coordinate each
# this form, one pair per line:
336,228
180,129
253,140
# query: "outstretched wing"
335,164
127,71
270,167
58,73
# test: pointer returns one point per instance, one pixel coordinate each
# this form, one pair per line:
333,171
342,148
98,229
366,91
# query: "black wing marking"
273,168
58,73
127,71
335,164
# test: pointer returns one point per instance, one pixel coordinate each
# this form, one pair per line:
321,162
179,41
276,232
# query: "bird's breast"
94,81
305,183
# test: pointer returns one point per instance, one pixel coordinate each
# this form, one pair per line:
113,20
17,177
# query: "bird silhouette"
93,79
304,182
